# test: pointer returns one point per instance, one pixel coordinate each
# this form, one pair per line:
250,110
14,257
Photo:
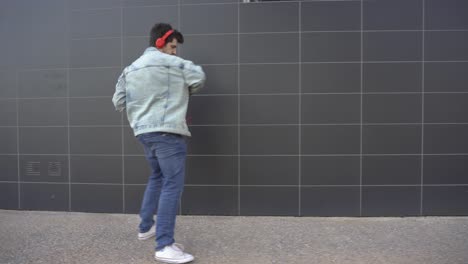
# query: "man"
155,91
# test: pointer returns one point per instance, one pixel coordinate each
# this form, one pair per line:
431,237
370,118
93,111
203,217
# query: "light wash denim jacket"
155,90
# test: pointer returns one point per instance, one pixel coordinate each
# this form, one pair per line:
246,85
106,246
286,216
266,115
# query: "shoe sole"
146,237
165,260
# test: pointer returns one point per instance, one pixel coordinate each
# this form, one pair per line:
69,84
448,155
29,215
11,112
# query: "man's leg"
171,153
152,191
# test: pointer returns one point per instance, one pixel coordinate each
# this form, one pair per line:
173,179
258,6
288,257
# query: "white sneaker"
173,254
150,233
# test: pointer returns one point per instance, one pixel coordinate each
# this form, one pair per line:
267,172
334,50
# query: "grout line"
110,8
422,109
173,5
244,155
201,4
252,125
64,97
122,113
246,94
62,126
431,61
73,183
251,185
300,110
323,155
332,62
361,109
178,15
68,142
69,68
17,137
256,63
252,3
68,36
319,31
283,32
238,115
95,38
333,93
332,124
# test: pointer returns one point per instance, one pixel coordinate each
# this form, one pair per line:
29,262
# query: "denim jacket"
155,91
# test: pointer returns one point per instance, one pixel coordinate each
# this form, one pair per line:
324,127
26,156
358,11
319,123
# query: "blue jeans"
166,154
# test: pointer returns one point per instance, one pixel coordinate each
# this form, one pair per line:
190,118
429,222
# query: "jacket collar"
150,49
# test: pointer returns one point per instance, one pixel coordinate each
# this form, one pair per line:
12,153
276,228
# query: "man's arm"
194,76
120,94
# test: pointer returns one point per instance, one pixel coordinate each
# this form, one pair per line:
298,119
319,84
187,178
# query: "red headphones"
160,42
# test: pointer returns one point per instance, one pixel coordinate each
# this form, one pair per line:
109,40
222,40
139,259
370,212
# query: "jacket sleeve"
194,76
120,94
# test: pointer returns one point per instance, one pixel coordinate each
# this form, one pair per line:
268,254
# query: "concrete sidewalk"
62,237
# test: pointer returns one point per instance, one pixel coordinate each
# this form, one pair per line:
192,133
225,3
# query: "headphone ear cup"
160,43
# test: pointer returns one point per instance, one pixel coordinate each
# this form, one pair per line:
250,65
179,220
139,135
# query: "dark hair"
160,29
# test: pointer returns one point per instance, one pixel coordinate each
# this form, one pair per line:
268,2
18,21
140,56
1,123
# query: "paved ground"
62,238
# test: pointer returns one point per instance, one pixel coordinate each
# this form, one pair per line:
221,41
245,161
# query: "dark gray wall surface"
312,108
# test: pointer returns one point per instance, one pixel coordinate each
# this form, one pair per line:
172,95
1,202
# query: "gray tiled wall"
311,108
